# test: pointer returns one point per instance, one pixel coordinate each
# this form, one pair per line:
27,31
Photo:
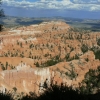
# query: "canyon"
50,51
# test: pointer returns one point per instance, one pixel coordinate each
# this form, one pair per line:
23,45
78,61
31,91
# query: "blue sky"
50,8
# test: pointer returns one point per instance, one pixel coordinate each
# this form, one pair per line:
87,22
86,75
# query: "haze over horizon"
89,9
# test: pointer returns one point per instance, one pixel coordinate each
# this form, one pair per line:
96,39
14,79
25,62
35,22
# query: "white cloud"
42,0
90,5
98,0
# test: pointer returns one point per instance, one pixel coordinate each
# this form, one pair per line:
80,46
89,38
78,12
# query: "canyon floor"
49,51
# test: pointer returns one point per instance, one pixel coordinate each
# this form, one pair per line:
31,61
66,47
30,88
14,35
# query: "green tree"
15,89
84,48
98,42
92,81
2,66
71,74
6,65
37,64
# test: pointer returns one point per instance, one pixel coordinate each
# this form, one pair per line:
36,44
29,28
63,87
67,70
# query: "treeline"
50,62
56,93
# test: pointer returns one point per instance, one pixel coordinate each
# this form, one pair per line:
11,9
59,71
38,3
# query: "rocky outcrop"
25,80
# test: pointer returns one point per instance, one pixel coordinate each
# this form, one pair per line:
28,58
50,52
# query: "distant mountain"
88,24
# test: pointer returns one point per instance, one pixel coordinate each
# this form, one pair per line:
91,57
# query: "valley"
48,51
